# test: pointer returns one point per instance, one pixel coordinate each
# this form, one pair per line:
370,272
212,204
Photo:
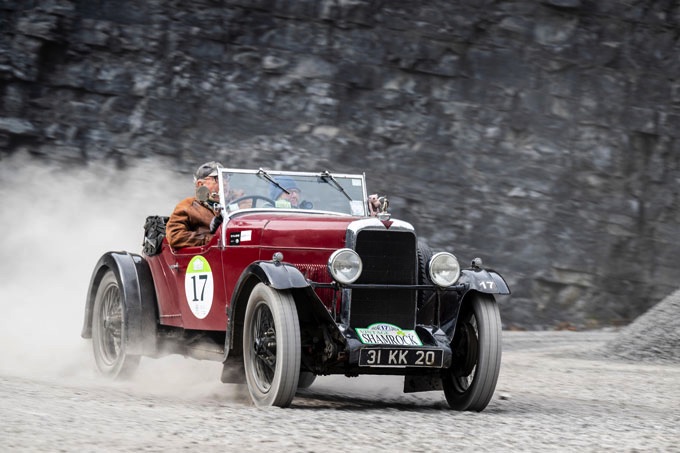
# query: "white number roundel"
198,286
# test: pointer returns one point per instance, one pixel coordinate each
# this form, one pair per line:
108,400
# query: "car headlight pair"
345,267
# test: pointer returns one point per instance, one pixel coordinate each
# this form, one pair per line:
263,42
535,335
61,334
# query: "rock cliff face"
539,135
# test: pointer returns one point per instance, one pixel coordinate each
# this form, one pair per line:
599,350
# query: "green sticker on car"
388,334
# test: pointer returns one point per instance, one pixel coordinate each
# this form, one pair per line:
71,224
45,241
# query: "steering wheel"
254,198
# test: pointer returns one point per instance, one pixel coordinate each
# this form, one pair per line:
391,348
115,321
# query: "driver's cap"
207,169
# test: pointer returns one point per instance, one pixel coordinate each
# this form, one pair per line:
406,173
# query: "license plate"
401,357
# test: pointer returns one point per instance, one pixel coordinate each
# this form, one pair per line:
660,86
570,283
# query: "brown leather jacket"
189,224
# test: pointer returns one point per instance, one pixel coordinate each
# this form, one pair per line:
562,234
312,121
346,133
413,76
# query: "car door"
199,280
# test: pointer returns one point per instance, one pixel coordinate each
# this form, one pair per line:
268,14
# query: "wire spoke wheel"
108,331
271,347
264,346
471,380
112,323
465,355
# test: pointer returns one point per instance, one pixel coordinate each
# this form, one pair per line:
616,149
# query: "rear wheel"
471,381
109,341
271,347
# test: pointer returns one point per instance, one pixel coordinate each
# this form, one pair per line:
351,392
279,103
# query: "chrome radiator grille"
389,257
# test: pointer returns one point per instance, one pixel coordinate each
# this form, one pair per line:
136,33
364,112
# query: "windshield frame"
356,207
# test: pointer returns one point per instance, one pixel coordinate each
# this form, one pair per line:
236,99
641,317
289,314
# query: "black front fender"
484,281
138,295
279,276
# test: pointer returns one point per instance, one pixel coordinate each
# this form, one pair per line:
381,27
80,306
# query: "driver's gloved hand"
215,223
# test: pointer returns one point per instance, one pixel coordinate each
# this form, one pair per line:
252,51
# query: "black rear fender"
139,299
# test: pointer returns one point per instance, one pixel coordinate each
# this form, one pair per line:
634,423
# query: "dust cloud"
55,223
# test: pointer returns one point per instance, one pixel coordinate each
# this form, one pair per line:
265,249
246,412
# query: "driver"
194,221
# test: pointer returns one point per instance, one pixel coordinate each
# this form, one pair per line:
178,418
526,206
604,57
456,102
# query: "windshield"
323,191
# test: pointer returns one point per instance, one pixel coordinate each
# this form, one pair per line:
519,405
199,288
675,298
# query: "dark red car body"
272,232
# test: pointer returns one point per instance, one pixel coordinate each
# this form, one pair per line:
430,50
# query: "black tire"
424,256
109,341
471,381
271,347
306,379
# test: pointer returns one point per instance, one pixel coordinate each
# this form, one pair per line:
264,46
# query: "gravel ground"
555,393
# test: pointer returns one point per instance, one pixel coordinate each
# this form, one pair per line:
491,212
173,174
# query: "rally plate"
401,357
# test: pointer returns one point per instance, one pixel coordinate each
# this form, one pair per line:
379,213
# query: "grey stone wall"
539,135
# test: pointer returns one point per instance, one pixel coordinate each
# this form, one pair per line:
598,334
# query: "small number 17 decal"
487,284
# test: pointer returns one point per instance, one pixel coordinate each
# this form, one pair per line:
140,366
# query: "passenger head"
288,183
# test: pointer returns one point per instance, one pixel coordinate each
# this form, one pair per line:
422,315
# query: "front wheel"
471,381
271,347
109,339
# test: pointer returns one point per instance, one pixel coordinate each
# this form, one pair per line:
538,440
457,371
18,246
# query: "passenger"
195,219
283,199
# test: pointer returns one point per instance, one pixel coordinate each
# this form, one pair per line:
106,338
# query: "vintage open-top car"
287,291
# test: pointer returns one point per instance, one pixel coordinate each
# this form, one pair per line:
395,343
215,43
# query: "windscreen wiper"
261,173
326,177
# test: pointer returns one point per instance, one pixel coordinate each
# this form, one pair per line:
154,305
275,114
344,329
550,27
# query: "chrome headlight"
345,266
444,269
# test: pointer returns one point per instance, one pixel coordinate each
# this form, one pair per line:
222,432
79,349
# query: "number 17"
205,280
